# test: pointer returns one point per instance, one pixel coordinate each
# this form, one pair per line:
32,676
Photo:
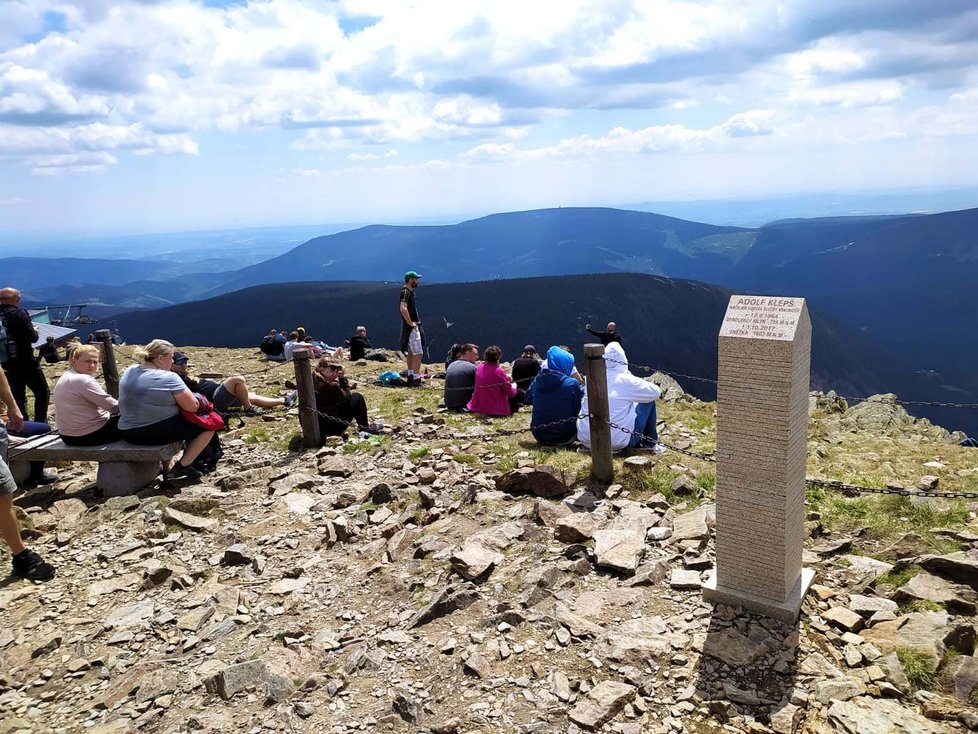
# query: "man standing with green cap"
412,337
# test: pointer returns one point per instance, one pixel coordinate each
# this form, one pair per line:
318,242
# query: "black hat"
180,358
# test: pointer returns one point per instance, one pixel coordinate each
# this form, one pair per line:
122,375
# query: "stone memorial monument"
762,420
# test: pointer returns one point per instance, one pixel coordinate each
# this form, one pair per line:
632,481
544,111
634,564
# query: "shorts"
414,345
7,483
171,430
224,400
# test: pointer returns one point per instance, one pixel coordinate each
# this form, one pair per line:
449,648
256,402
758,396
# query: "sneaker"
372,428
658,449
252,411
48,476
291,398
179,471
29,565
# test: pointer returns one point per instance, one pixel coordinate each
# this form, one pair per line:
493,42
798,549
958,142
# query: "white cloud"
14,201
53,165
392,153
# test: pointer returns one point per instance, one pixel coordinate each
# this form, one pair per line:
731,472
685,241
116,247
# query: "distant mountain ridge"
668,323
904,281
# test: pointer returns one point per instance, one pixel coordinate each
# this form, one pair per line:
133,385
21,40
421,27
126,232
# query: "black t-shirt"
20,331
358,347
49,353
524,370
407,296
207,388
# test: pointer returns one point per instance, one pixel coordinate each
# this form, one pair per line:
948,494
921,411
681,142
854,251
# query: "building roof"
62,334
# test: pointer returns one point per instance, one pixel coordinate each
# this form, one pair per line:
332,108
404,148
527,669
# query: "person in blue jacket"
555,396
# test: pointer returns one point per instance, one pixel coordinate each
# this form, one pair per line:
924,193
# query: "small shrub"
916,666
469,459
419,453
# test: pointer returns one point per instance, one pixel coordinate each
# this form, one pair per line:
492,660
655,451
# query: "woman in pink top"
493,387
87,415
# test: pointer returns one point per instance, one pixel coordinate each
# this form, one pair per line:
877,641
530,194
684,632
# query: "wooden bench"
123,468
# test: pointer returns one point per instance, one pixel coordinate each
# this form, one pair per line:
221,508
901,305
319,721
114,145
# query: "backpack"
8,350
206,462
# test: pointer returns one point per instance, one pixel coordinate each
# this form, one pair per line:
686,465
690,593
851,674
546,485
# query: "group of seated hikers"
554,389
158,404
279,346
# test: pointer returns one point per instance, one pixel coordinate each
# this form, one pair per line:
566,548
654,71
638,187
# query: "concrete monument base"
786,611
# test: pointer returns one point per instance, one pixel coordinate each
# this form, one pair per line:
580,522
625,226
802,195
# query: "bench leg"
20,470
118,478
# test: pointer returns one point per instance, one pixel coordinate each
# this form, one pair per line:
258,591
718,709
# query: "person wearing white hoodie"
631,404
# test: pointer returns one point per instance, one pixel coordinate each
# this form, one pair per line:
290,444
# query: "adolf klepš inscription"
762,419
762,317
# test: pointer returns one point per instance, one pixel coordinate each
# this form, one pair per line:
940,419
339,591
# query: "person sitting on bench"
231,393
150,399
87,415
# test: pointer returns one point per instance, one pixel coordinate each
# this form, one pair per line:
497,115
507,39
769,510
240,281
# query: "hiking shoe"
179,471
291,398
658,449
29,565
48,476
372,428
252,411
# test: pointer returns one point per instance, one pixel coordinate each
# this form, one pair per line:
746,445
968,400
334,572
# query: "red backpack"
205,417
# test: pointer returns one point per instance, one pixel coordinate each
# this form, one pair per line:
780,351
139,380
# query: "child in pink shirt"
493,387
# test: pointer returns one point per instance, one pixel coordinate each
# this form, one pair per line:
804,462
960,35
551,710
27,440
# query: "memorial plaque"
762,423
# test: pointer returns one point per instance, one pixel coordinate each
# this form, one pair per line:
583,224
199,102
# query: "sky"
146,115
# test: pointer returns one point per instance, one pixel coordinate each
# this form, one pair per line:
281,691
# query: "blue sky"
180,114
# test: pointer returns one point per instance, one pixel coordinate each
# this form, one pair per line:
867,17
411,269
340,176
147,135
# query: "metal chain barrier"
650,368
855,488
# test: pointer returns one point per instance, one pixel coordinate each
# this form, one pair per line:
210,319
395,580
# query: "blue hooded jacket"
555,395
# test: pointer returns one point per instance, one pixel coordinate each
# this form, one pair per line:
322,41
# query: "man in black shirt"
22,368
48,351
359,344
607,336
412,337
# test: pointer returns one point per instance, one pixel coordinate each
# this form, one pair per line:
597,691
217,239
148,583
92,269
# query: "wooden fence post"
602,468
308,418
109,368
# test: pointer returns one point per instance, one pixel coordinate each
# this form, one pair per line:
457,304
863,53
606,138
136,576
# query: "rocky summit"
449,576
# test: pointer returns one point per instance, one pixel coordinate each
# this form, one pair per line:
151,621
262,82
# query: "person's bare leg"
194,447
414,363
237,386
262,402
9,527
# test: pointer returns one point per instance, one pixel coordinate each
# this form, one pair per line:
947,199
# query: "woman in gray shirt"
150,399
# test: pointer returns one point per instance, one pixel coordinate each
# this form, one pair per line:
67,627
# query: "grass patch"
291,441
256,434
707,481
897,577
921,605
419,453
470,459
916,666
887,516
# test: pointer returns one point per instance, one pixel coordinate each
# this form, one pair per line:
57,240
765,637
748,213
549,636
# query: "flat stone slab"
879,716
620,548
603,702
57,450
685,580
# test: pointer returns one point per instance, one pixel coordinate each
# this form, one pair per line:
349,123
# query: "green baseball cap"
411,274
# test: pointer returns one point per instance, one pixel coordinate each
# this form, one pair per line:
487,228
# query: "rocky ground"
442,578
